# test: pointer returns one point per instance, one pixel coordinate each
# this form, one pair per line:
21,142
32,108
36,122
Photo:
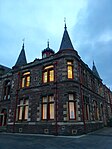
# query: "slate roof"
5,69
22,58
66,41
95,71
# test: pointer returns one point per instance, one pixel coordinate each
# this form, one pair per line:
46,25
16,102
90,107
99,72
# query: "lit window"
70,69
23,109
45,77
44,108
51,107
48,74
48,108
7,87
25,79
51,75
72,107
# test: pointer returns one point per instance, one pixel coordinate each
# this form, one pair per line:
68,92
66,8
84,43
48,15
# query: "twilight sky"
89,24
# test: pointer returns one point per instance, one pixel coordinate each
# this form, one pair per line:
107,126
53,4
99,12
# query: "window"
72,107
87,111
7,87
109,111
44,55
70,69
22,110
96,110
25,79
101,111
86,108
48,108
48,74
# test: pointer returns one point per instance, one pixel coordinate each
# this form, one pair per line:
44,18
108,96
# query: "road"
101,139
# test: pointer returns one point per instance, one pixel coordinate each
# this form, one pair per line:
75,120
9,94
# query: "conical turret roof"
22,58
66,41
95,70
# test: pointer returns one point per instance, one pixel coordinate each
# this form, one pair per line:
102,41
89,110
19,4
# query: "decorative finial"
23,43
65,23
93,63
48,43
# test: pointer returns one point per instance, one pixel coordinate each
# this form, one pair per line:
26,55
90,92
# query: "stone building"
58,94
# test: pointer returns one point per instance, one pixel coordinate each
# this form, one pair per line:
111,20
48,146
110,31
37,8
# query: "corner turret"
47,52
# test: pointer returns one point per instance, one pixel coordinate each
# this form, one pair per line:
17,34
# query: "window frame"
25,78
86,108
87,111
70,64
48,103
22,106
6,90
49,77
74,104
96,110
101,111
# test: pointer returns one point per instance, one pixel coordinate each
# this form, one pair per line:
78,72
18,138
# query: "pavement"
106,131
100,139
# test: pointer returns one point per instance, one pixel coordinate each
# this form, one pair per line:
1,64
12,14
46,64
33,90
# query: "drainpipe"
56,104
82,98
109,92
16,100
105,106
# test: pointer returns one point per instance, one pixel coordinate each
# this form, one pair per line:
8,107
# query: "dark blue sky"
89,23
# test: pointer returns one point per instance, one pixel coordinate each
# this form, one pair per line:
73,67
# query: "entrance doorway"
3,117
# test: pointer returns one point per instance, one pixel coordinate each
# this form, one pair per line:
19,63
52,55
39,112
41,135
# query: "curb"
42,135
